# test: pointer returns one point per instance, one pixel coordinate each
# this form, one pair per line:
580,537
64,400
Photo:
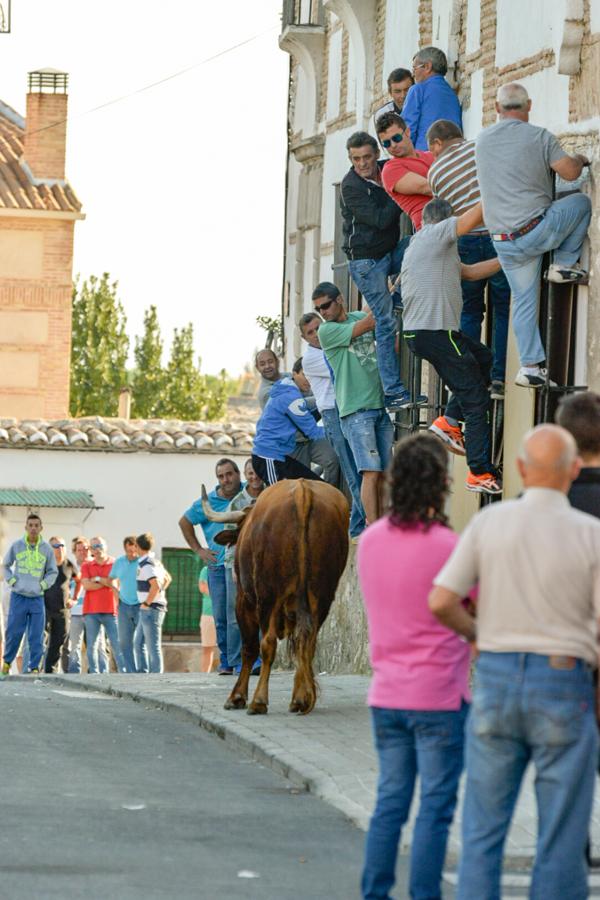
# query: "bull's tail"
304,639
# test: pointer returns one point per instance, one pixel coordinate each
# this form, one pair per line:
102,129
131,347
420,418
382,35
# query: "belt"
513,235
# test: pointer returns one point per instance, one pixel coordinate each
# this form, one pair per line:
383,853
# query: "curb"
256,747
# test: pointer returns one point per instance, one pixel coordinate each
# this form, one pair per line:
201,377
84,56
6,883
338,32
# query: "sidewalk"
329,752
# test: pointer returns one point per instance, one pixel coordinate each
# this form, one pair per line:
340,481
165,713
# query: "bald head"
512,102
548,458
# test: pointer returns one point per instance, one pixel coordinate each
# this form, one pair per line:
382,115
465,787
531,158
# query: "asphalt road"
103,798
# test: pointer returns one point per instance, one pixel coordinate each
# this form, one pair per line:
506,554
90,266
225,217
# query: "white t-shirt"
319,377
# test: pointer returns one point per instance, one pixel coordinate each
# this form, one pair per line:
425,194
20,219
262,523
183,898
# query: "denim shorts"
370,434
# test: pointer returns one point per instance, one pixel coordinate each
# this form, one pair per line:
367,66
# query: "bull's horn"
227,516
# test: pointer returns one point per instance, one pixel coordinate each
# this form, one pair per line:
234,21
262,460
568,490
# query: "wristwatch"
97,579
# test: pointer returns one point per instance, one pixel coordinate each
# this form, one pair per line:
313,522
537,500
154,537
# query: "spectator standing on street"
81,553
419,691
404,175
152,583
399,83
537,563
124,578
431,275
29,570
100,605
208,632
371,243
515,162
431,98
580,415
453,177
57,600
347,339
319,374
228,477
247,496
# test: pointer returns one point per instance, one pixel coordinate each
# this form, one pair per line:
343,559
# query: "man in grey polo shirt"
515,161
537,563
432,296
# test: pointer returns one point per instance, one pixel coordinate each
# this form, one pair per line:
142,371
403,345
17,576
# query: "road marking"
85,695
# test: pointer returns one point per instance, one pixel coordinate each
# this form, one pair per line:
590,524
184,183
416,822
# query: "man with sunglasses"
404,176
100,605
56,601
347,339
371,243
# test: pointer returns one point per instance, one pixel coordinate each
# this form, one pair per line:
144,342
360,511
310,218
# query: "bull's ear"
227,537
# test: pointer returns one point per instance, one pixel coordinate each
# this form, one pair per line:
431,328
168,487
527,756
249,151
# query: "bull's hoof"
236,702
295,707
258,708
302,707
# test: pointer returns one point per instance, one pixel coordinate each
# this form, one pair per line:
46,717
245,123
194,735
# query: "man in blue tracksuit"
285,412
29,570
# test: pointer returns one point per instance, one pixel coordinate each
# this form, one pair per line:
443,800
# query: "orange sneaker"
449,434
483,484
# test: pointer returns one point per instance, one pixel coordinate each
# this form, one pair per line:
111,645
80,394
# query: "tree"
274,328
149,378
187,394
99,348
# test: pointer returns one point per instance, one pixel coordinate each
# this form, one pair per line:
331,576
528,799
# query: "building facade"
38,211
341,52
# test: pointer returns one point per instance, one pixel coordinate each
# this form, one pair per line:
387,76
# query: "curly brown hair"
419,482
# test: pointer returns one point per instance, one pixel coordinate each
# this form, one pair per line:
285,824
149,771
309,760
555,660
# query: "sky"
182,184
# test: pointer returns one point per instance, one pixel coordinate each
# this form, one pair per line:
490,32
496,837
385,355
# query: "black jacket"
370,218
55,598
585,491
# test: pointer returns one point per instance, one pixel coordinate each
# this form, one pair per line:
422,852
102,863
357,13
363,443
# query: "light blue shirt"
125,570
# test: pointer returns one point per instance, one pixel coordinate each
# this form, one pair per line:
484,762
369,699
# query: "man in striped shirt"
453,177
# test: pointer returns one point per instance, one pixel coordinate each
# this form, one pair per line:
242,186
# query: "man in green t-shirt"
347,339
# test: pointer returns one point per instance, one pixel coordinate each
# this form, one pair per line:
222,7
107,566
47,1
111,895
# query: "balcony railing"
298,13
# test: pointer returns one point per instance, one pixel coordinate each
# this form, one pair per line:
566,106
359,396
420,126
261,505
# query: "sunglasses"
56,546
395,138
97,546
325,305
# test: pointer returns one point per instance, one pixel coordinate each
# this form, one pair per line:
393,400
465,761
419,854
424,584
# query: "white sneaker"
566,274
533,377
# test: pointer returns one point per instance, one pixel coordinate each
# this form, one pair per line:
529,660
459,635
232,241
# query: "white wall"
594,16
473,25
334,71
401,37
304,103
549,94
524,29
139,491
473,115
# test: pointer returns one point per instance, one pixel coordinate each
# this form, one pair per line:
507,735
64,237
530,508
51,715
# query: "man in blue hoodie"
285,412
29,570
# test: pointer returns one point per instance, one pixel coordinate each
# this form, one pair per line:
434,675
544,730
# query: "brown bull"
292,547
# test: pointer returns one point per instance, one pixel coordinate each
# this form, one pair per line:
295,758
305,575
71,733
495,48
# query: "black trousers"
464,365
272,470
57,627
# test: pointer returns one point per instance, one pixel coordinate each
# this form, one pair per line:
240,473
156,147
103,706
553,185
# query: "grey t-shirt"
513,166
431,291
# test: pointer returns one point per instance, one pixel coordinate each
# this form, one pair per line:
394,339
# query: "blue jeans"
524,710
234,638
217,588
474,248
152,622
563,229
25,614
140,650
369,433
333,430
92,622
129,616
410,743
371,278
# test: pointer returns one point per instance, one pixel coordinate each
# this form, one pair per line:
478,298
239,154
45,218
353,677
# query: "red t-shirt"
395,169
103,600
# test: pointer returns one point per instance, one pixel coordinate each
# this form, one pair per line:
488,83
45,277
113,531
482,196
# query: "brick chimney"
46,124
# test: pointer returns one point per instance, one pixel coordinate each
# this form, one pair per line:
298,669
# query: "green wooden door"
184,599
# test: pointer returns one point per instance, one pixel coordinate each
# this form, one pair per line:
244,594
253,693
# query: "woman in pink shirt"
419,692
